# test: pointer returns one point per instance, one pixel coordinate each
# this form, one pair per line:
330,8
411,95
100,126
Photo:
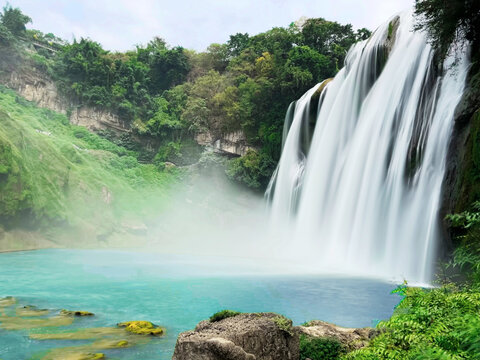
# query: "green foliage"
447,22
168,152
171,95
440,323
320,348
168,67
390,30
466,219
14,20
223,315
253,169
52,172
466,230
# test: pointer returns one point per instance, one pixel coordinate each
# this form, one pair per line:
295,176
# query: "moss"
75,313
284,324
142,328
390,30
223,315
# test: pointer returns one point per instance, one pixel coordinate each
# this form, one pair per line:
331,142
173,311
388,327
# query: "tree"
14,20
237,44
168,68
449,22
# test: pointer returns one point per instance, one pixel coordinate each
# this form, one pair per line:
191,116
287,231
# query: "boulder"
350,338
263,336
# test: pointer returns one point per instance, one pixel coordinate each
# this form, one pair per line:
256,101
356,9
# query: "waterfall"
360,194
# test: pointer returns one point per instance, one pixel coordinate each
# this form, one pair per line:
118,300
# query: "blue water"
175,292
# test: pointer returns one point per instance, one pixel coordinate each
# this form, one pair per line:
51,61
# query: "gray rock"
242,337
350,338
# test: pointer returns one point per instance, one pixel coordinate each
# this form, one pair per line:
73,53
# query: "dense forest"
171,94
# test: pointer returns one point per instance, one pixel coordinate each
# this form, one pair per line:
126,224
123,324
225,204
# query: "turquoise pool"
173,291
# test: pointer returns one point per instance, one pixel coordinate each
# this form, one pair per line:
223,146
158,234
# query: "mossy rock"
76,313
122,343
98,356
142,328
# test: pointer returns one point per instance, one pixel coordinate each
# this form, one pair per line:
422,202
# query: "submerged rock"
7,301
263,336
20,323
30,311
142,328
69,355
81,334
75,313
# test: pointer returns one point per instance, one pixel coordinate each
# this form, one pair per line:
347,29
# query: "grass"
52,172
223,315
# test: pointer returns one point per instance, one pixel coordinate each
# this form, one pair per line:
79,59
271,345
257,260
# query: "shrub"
254,169
320,348
437,323
223,315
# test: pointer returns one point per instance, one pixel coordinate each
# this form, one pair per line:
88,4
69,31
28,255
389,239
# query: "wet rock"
75,313
142,328
243,337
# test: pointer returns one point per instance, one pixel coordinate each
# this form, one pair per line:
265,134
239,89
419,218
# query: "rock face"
242,337
38,88
234,143
350,338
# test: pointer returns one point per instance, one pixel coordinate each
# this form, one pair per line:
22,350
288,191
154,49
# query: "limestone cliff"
234,143
37,87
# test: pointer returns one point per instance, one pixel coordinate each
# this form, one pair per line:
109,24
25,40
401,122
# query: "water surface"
175,292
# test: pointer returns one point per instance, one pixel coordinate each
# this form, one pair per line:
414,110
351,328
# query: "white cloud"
121,24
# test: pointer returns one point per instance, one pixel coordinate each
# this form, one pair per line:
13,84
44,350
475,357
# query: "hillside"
67,184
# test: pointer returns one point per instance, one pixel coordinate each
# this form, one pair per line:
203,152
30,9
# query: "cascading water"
363,196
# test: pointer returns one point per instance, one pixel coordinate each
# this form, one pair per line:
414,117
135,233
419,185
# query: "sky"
119,25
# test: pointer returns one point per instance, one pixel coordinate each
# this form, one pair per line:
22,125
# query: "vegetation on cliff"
172,94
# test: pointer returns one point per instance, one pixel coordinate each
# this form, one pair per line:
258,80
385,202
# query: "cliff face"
234,143
38,88
461,186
